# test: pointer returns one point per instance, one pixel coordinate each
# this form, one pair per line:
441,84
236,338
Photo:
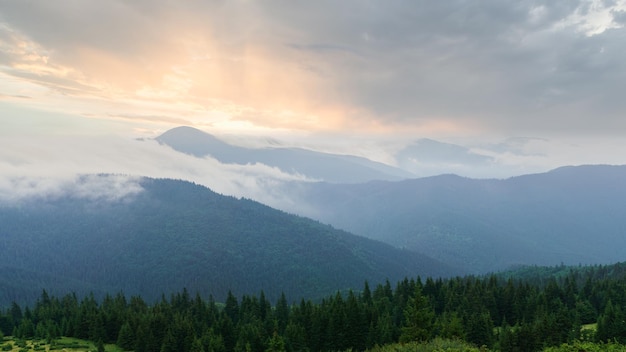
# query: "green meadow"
64,344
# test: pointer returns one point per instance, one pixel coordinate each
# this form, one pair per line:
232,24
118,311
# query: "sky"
532,84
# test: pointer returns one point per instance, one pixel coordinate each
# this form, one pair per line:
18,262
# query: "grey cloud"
516,146
322,48
428,150
501,63
60,84
506,65
64,24
619,17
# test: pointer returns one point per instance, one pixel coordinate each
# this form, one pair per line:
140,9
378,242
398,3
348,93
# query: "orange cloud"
188,74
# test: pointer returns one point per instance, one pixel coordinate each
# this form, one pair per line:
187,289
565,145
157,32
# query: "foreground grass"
436,345
444,345
587,347
67,344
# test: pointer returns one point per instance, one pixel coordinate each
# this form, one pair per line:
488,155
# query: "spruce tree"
282,313
295,337
276,344
612,324
196,346
126,337
419,317
231,308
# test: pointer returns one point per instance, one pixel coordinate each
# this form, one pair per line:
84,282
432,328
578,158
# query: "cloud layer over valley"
62,165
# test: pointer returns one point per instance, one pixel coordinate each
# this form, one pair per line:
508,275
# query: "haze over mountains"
572,215
421,157
312,164
356,161
141,235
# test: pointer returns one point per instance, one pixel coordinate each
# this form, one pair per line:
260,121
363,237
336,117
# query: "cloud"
110,188
36,165
54,166
449,67
516,145
3,96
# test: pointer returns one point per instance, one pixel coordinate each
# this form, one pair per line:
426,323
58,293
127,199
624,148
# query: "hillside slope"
175,234
572,215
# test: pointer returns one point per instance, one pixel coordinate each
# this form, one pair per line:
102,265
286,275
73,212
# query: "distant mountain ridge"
425,155
177,234
315,165
572,215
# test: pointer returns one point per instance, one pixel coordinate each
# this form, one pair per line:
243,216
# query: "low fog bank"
109,168
93,187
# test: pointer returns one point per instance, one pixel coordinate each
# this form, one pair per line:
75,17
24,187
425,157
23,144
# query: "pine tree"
295,337
506,340
419,317
356,329
276,344
26,329
231,308
383,330
169,342
227,331
479,328
282,313
196,346
612,324
16,313
450,326
366,295
213,342
97,330
126,337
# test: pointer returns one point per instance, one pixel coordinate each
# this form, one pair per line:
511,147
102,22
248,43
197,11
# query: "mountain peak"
312,164
190,140
185,133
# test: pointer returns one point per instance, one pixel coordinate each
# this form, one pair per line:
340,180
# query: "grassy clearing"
590,327
579,346
64,344
436,345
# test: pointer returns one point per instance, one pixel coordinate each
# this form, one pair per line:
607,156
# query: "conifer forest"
529,309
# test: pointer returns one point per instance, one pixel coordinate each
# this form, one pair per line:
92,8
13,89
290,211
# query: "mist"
109,168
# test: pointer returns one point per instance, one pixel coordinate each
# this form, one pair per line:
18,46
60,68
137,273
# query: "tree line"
529,312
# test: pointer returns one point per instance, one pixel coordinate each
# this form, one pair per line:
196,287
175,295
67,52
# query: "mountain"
175,234
572,215
426,157
312,164
434,153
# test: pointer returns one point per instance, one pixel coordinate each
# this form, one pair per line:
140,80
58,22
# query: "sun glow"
198,81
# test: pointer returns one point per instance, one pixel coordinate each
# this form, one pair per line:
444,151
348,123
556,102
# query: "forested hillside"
557,305
176,234
572,215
